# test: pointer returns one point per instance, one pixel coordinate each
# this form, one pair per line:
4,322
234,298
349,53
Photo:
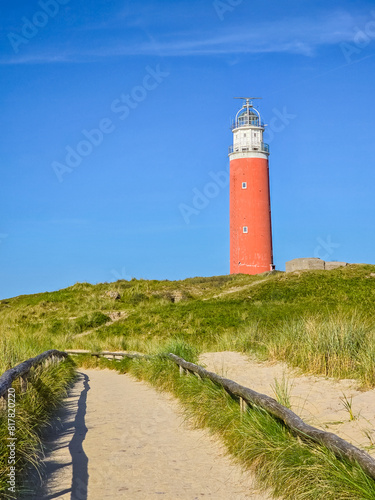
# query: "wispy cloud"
40,58
290,35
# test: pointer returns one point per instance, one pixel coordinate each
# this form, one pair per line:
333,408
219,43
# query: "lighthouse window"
244,185
244,229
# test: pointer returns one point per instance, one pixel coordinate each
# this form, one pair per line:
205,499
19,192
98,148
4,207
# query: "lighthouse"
250,208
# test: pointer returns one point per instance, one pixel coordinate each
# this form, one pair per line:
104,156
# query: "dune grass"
340,345
320,321
47,387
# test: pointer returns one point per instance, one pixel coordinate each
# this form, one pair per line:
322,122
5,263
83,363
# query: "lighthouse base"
248,269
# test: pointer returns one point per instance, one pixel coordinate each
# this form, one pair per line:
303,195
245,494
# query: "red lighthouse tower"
250,209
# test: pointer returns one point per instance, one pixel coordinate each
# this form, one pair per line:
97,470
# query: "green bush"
91,321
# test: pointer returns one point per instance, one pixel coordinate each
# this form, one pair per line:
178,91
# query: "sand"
318,400
120,439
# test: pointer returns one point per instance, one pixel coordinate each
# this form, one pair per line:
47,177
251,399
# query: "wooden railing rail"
23,369
109,354
246,396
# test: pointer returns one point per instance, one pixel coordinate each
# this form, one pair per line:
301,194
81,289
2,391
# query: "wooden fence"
246,396
22,371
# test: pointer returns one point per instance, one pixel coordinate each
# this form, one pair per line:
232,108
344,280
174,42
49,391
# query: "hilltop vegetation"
322,321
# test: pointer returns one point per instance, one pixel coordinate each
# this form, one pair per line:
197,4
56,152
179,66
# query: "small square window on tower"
244,185
244,229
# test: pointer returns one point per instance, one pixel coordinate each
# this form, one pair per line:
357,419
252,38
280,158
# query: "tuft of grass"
348,405
368,433
282,391
181,348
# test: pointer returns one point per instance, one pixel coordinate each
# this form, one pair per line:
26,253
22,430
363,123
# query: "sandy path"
115,317
120,439
318,400
234,290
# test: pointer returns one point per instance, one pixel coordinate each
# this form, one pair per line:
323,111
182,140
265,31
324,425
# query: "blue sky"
115,134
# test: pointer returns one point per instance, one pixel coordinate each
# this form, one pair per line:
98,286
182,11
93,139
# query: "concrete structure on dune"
310,264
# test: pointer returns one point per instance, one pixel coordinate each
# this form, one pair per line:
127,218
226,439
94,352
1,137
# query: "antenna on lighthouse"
248,100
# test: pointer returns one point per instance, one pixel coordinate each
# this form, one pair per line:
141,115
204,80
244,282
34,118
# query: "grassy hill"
322,321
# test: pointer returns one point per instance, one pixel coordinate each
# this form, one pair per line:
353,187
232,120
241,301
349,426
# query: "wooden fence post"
243,405
4,401
23,382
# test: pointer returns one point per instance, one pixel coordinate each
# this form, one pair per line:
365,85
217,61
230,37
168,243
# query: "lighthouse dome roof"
247,111
248,116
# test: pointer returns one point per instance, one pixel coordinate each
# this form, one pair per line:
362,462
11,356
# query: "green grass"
47,387
321,321
282,390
